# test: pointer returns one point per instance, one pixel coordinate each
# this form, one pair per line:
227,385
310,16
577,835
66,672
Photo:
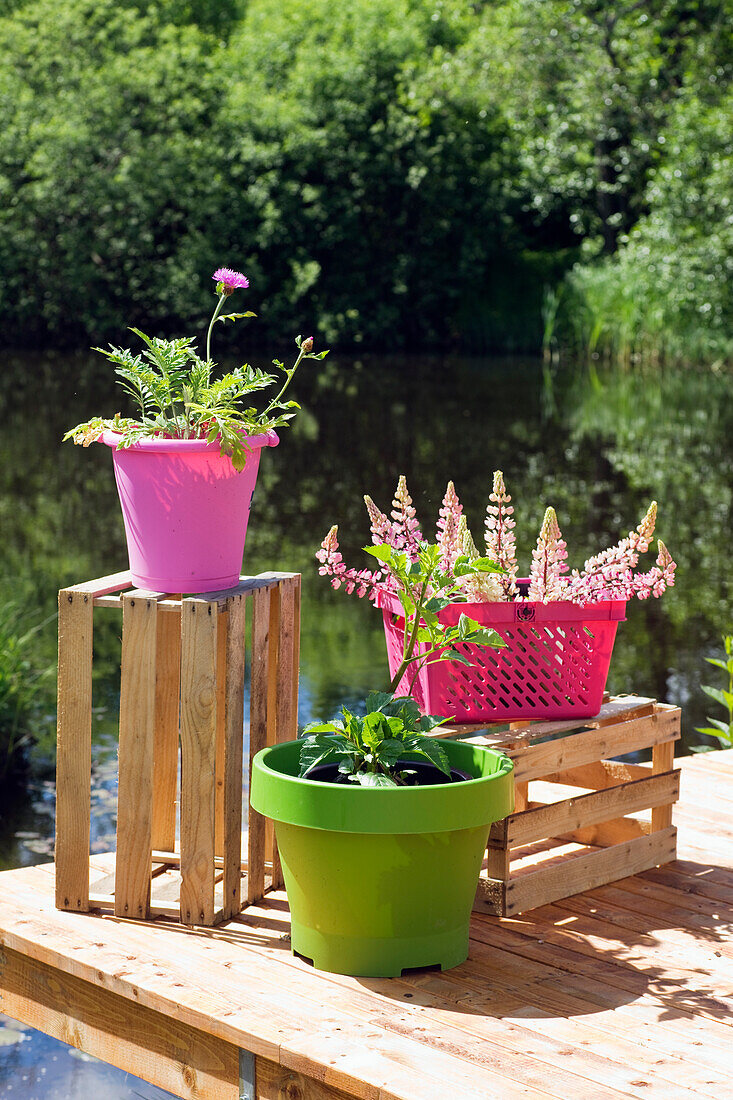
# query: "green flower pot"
380,880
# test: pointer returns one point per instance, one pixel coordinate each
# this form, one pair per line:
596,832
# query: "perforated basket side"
550,668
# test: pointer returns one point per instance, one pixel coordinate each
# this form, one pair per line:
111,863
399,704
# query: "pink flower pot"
555,663
185,510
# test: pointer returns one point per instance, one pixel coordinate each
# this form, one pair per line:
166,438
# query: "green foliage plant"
178,397
23,690
719,728
372,751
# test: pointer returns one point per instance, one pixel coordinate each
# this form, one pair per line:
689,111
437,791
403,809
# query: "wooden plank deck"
624,991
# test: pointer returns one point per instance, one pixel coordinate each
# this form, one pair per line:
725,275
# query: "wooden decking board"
624,991
540,940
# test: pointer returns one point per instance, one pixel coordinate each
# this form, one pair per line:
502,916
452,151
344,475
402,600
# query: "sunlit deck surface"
623,991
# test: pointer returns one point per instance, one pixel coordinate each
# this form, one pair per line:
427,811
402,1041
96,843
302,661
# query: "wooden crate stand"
573,826
182,686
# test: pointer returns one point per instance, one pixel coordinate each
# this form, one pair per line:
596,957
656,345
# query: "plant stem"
217,311
408,651
288,380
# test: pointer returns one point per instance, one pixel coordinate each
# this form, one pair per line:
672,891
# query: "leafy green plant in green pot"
382,828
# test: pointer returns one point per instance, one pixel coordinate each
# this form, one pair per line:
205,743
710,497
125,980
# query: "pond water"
596,444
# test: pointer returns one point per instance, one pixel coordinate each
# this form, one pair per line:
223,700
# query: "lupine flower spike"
610,574
332,565
548,561
407,534
381,527
659,579
447,534
484,588
499,536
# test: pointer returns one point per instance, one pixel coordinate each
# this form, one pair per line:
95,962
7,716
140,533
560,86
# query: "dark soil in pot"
422,774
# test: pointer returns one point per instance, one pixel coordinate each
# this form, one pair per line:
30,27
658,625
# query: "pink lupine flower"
548,562
381,527
499,534
332,565
406,534
484,588
659,578
227,280
610,574
447,534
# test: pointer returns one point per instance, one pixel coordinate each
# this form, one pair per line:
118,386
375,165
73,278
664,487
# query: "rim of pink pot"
268,438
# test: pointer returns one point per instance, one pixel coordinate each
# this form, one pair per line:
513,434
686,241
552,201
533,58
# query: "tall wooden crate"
574,826
181,699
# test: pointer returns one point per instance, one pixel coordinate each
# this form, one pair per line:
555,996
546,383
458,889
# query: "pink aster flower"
227,280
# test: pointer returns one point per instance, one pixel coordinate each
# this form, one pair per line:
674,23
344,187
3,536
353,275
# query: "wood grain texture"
234,652
588,809
136,747
274,1082
663,761
587,746
199,631
221,700
582,872
274,716
74,749
186,1062
166,731
258,722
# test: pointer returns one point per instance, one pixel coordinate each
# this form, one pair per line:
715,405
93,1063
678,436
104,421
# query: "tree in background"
396,173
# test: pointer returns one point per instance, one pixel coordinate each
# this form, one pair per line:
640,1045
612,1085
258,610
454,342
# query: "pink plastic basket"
555,663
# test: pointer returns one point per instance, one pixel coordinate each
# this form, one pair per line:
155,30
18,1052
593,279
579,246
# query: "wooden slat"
274,1082
527,730
286,694
599,774
497,863
165,750
198,750
136,746
102,585
296,588
587,746
663,761
74,752
559,818
233,750
171,1055
258,715
576,874
607,833
274,717
221,674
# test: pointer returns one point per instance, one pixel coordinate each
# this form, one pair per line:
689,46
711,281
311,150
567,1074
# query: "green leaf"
487,565
382,552
454,655
390,751
323,727
725,698
375,779
429,749
322,750
377,700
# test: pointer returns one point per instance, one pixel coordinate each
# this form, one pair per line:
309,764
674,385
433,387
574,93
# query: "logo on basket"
524,614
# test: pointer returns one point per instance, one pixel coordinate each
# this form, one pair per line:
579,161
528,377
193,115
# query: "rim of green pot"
278,792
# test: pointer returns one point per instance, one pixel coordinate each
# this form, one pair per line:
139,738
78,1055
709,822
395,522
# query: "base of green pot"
379,957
